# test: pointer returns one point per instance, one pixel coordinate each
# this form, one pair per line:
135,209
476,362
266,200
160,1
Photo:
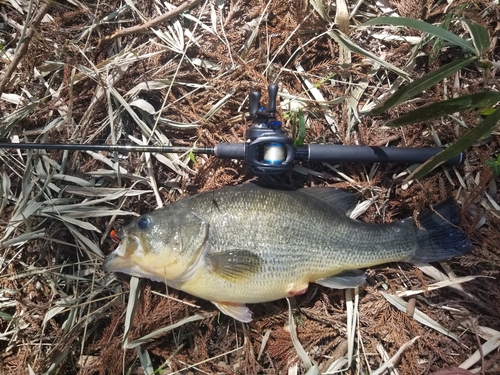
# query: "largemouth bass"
249,244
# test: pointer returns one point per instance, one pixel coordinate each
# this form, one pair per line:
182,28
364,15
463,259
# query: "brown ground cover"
185,81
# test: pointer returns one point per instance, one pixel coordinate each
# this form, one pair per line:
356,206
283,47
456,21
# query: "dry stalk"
145,28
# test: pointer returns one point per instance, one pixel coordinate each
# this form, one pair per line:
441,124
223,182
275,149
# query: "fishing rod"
269,150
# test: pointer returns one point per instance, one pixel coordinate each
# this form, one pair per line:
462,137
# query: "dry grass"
186,81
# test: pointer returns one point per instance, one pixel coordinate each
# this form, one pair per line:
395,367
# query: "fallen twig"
23,46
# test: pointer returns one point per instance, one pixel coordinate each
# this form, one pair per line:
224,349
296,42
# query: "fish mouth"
121,259
116,263
130,258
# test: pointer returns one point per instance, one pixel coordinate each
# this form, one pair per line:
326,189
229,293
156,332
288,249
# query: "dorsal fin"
337,198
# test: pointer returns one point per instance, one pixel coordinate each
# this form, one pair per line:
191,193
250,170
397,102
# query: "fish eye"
144,222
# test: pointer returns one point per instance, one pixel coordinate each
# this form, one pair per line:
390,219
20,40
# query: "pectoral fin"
234,310
234,265
344,280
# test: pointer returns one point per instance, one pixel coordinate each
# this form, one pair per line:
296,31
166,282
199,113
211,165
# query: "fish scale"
249,244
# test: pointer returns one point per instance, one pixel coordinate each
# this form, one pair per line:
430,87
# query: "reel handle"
254,99
272,90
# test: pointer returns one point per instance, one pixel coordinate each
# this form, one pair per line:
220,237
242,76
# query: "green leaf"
494,165
480,37
422,84
447,107
487,111
438,42
5,316
425,27
472,136
192,157
299,141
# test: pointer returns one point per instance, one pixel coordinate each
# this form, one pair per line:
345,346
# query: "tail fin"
440,237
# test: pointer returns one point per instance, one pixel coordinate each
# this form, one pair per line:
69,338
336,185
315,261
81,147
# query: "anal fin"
344,280
235,310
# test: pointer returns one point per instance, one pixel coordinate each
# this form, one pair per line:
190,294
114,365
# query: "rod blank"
109,148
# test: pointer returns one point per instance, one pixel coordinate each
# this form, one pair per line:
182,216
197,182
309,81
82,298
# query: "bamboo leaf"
149,336
422,84
145,359
390,362
480,37
84,240
418,315
4,189
52,313
82,224
486,349
29,236
144,105
133,297
447,107
343,39
352,309
9,121
425,27
472,136
304,357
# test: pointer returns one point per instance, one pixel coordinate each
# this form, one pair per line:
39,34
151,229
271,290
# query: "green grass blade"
480,37
447,107
483,129
422,84
425,27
